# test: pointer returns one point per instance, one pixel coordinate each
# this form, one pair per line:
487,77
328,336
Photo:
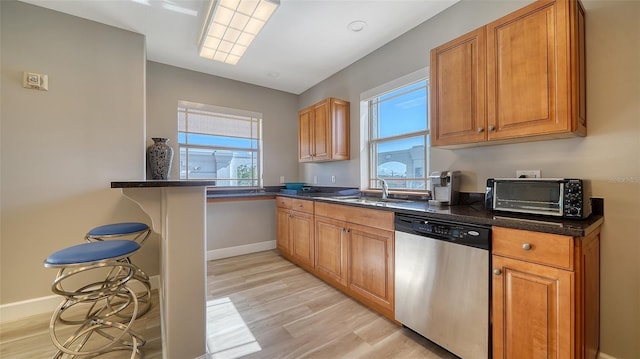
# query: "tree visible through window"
220,144
398,137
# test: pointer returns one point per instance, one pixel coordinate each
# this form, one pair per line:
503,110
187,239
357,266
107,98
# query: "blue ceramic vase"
159,157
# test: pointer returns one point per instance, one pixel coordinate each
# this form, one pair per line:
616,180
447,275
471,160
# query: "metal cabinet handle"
492,128
480,129
497,271
526,247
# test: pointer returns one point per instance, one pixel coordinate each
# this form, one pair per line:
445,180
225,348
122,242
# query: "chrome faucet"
385,188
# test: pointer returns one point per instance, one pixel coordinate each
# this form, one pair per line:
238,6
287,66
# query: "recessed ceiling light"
231,26
357,26
273,74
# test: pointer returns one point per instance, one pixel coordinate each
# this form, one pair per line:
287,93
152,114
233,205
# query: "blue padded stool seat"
92,252
118,229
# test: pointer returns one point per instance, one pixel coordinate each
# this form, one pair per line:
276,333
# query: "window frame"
255,119
368,169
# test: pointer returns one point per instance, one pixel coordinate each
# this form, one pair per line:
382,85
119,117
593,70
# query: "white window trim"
215,108
365,96
236,112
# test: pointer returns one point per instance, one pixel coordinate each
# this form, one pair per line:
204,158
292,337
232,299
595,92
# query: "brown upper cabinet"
519,78
323,131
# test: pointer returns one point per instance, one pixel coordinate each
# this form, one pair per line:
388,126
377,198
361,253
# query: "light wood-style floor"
260,306
29,338
263,306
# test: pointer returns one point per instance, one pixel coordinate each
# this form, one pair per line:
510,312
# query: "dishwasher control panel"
444,230
456,232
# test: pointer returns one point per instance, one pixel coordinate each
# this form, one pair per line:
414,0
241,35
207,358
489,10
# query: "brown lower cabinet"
545,294
295,230
353,250
355,253
332,245
545,287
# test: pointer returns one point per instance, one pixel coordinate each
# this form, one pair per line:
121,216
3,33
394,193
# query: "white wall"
60,149
609,155
239,227
229,224
166,85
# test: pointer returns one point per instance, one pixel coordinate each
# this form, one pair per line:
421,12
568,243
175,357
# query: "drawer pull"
526,247
497,271
480,129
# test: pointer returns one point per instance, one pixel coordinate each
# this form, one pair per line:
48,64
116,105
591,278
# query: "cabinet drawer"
544,248
367,217
302,205
284,202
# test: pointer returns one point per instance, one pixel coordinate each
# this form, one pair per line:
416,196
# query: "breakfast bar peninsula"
178,213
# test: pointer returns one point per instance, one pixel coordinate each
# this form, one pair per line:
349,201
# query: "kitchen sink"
372,201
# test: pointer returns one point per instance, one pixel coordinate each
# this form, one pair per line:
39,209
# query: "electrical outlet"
528,173
281,179
333,179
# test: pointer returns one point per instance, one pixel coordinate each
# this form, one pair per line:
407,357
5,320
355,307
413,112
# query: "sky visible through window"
403,113
399,136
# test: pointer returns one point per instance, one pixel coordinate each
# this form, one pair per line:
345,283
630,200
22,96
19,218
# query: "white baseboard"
11,312
240,250
19,310
602,355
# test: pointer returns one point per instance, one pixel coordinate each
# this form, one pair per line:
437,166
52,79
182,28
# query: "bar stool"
135,231
93,306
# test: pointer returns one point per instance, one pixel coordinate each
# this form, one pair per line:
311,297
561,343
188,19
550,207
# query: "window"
398,137
221,144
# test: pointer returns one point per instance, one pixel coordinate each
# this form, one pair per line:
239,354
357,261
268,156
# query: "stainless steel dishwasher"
442,282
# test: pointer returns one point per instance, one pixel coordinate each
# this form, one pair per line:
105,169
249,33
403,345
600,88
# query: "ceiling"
305,42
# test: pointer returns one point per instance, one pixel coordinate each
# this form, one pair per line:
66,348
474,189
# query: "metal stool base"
99,314
138,232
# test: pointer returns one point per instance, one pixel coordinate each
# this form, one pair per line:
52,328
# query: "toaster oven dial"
573,187
572,211
573,198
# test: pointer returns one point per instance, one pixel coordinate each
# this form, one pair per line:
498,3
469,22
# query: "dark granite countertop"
161,183
476,213
472,211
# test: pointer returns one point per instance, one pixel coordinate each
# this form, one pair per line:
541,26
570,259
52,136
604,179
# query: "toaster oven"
558,197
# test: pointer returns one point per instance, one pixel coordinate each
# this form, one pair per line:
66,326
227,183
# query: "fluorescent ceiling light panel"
231,26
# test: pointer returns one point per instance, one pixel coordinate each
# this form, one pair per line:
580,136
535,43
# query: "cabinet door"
458,73
301,234
339,129
305,122
528,55
282,230
371,262
532,310
321,131
331,250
